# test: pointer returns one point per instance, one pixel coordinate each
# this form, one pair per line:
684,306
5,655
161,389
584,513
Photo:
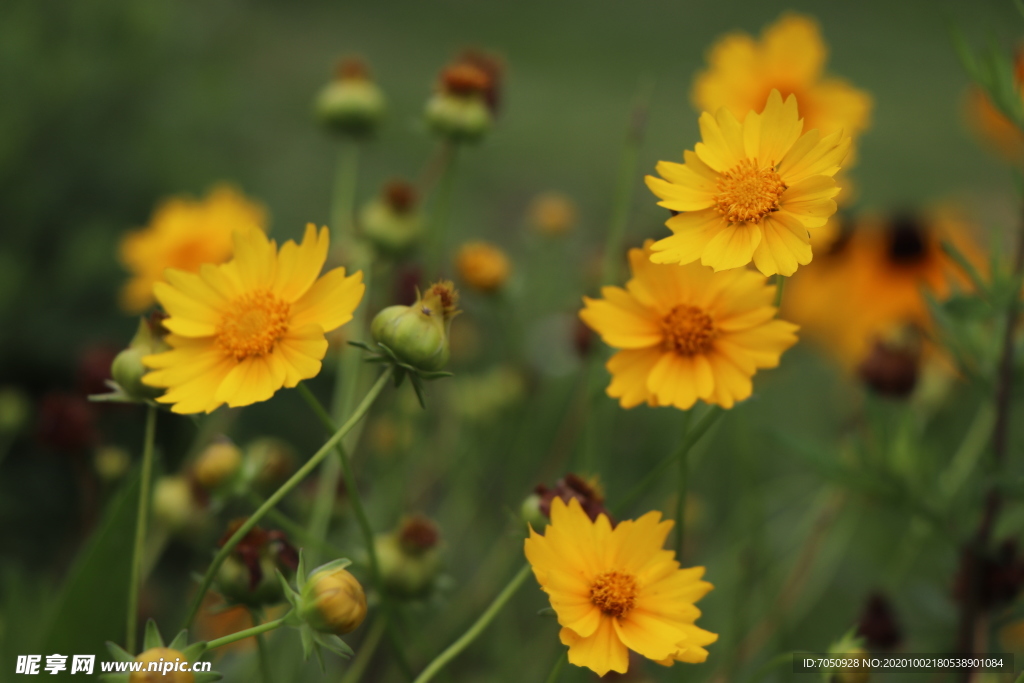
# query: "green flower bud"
111,462
392,221
249,574
409,558
351,104
268,463
418,334
462,109
217,464
174,506
128,368
333,601
530,512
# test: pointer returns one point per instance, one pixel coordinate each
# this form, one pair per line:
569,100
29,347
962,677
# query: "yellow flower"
687,333
242,330
750,190
552,213
790,58
184,234
616,590
482,266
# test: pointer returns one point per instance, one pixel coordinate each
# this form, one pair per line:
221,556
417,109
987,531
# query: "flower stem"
477,628
780,284
242,635
683,485
366,651
364,524
343,198
134,583
295,529
692,437
281,492
440,212
261,646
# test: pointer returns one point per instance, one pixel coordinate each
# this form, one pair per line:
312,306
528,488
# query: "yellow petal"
250,381
621,320
298,265
769,135
692,232
672,381
811,201
630,369
331,301
255,259
732,246
600,652
784,245
722,140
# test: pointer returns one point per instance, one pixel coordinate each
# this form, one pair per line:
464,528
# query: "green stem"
285,488
366,651
692,437
363,521
343,198
135,582
477,628
261,646
780,284
683,485
242,635
556,669
294,529
440,213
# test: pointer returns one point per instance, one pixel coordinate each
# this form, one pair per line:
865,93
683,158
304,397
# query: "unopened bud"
249,574
128,368
351,104
111,462
174,506
458,118
418,334
14,410
268,462
333,601
410,557
217,464
393,221
157,656
530,512
892,365
552,214
482,266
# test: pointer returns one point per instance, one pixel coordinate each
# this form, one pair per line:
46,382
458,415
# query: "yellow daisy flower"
184,234
789,58
687,333
750,190
242,330
616,590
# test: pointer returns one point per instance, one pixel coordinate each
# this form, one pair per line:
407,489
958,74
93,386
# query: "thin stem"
343,197
440,212
242,635
285,488
477,628
683,486
973,573
364,524
135,582
295,529
780,284
261,646
692,437
366,651
556,669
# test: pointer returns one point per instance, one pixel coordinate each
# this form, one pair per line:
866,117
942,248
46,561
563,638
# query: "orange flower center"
614,593
688,330
747,193
256,322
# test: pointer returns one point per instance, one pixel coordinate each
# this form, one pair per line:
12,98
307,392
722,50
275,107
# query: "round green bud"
128,371
530,512
14,409
460,118
407,574
390,231
234,581
173,504
350,106
415,334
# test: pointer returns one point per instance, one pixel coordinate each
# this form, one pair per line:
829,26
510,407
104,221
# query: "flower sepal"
383,354
312,639
154,648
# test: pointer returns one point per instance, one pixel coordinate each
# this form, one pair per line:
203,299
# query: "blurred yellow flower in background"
790,58
242,330
1001,134
616,590
552,213
482,266
184,233
750,191
687,333
870,280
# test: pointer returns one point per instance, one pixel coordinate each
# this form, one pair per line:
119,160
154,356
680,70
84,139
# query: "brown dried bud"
418,534
572,486
878,625
351,69
891,367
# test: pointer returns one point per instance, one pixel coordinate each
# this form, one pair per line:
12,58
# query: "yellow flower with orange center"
790,58
750,191
244,329
184,234
617,589
482,266
687,333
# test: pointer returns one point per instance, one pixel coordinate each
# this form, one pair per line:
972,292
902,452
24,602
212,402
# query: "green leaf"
119,653
300,572
194,651
335,644
95,591
340,563
547,612
180,641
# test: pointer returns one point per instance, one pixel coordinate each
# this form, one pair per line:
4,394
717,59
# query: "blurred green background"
109,106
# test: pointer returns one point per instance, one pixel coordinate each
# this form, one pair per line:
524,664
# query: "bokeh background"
109,106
